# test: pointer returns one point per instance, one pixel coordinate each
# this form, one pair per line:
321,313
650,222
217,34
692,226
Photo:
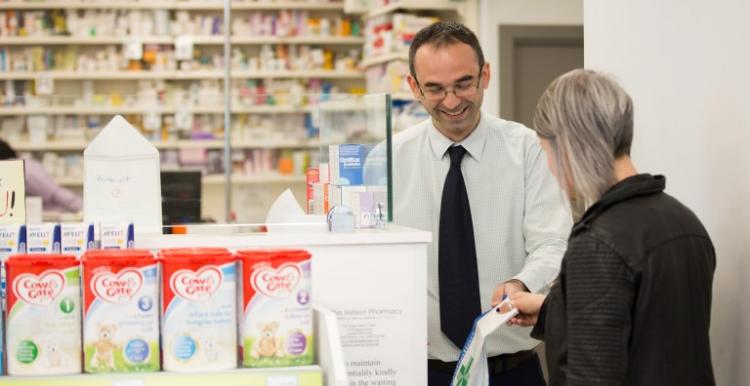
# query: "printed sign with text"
12,192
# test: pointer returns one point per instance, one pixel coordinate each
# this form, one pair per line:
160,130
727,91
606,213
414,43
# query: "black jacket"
632,303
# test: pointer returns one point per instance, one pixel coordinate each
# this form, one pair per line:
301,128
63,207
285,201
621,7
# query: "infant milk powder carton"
43,324
119,235
12,240
43,238
121,311
276,325
199,309
77,238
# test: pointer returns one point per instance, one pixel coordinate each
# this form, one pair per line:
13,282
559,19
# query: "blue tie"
457,256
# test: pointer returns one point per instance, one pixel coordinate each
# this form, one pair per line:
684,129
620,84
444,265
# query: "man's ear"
486,75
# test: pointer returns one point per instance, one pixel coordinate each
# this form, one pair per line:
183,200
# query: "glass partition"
292,137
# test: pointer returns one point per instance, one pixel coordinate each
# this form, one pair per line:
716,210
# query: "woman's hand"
528,306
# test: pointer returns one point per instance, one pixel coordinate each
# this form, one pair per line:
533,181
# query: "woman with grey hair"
632,303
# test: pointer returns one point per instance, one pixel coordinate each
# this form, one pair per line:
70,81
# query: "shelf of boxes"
179,75
322,74
196,5
200,40
385,58
403,96
164,145
112,110
90,40
419,5
115,84
108,110
219,179
320,40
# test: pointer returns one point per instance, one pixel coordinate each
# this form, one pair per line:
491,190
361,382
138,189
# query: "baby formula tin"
43,330
276,324
199,309
121,311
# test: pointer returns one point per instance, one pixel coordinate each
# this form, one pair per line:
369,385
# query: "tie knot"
457,154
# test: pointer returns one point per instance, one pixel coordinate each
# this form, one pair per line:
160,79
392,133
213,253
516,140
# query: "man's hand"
528,306
507,288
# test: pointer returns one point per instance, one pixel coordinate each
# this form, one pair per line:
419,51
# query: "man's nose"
451,101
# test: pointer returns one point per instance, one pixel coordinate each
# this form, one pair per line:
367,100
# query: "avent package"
117,235
76,239
43,324
277,323
121,311
12,240
199,309
43,238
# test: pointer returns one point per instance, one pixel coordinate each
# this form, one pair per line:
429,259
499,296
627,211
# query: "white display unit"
375,281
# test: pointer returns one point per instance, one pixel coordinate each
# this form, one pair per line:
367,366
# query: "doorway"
530,58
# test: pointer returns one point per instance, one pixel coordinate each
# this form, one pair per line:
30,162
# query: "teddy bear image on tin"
268,345
105,347
53,353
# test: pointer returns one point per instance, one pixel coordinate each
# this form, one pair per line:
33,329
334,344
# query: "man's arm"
546,223
40,183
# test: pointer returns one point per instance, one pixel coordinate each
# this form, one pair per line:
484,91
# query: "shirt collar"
474,143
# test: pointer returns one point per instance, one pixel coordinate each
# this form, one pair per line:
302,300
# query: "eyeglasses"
463,89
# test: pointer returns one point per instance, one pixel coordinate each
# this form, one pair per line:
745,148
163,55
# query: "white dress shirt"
521,221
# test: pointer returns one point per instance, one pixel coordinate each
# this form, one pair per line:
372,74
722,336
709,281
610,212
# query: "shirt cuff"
532,285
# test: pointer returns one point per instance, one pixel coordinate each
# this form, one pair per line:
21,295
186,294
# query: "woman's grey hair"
587,118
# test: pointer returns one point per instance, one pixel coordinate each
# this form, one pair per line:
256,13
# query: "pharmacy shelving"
416,5
196,5
320,40
104,110
385,58
178,75
112,110
112,75
403,96
321,74
164,145
200,40
219,179
117,92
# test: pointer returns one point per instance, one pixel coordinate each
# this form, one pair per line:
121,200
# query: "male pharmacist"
481,186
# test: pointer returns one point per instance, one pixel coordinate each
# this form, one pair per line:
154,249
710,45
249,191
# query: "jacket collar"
631,187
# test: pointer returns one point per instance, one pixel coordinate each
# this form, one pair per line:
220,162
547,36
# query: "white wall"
684,62
492,13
